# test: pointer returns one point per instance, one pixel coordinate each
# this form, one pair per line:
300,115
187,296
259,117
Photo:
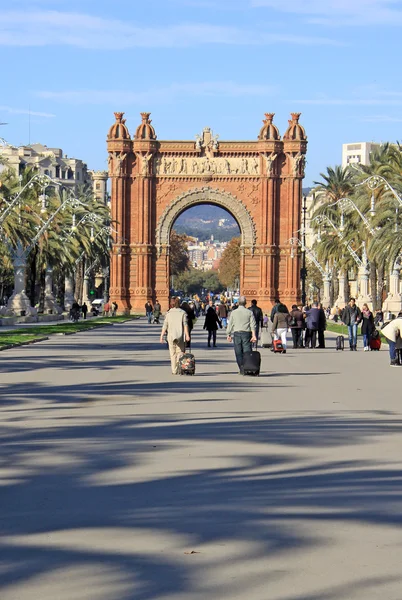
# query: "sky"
67,66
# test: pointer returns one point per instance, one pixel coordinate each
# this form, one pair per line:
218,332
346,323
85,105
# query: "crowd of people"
109,310
246,326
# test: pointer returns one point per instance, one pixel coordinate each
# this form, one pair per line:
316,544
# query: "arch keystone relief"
258,182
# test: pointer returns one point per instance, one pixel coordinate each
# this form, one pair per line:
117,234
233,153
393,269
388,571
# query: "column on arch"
141,236
119,259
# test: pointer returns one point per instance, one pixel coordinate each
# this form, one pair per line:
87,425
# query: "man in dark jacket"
149,311
296,326
258,316
313,324
352,316
322,325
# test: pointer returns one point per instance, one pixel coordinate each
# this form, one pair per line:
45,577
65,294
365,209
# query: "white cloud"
57,28
363,96
381,119
340,12
23,111
113,97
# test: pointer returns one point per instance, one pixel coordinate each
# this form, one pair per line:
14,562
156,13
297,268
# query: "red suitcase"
375,343
277,346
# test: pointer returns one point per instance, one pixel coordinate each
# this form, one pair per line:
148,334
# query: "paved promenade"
120,481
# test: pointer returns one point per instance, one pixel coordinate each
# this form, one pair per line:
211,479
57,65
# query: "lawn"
37,332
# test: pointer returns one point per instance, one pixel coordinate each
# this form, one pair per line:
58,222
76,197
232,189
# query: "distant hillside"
203,220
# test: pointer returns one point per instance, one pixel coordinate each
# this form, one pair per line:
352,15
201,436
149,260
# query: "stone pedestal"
326,298
85,292
68,292
340,301
393,302
364,297
19,303
50,304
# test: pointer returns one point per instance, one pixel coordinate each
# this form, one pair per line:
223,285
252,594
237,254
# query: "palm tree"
337,183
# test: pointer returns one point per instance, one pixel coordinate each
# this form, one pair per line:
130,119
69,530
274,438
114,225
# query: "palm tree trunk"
380,283
347,286
335,286
373,284
79,281
33,274
42,280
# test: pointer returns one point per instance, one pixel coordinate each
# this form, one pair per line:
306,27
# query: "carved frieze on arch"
206,195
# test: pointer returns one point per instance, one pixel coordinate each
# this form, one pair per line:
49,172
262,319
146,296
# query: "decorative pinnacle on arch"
269,131
295,131
145,131
118,130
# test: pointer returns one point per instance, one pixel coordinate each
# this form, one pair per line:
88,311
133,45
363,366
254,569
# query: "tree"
229,266
314,278
195,281
337,184
179,259
212,281
59,243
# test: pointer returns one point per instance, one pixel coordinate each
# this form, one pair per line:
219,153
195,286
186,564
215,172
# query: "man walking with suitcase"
242,324
175,326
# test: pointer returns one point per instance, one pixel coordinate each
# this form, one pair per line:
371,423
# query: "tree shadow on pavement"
89,504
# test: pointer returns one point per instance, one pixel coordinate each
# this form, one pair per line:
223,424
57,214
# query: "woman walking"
281,323
211,324
367,326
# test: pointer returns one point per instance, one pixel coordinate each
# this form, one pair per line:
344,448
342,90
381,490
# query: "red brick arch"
153,182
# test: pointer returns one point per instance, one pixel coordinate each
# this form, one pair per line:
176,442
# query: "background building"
69,172
358,153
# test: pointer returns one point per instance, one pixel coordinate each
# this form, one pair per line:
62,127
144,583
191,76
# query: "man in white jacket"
175,326
393,331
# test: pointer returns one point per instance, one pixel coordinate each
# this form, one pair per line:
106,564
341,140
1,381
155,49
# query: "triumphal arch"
153,181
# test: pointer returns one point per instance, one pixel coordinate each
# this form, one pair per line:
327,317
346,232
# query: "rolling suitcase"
187,363
277,347
266,338
340,342
375,343
252,363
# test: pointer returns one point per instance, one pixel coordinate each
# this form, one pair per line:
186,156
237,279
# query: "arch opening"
212,196
193,198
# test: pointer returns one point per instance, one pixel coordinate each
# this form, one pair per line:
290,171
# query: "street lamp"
303,270
325,219
19,300
376,181
345,203
43,180
296,241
